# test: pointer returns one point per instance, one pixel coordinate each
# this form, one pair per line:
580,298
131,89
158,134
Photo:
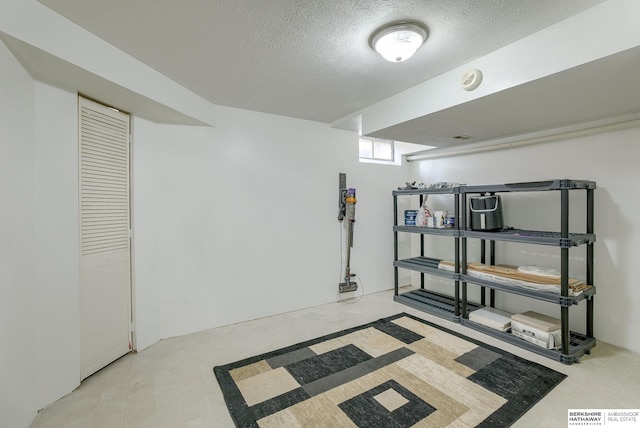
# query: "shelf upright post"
492,246
564,268
456,255
421,247
483,257
590,254
463,265
395,243
492,292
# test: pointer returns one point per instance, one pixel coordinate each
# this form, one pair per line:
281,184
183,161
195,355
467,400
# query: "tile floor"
171,383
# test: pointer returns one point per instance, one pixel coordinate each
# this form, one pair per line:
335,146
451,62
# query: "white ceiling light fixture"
398,41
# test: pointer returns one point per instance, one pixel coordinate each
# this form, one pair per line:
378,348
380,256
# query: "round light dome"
398,42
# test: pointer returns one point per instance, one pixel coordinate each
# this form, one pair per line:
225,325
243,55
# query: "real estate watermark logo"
603,418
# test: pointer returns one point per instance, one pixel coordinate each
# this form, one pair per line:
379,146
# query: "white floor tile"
171,384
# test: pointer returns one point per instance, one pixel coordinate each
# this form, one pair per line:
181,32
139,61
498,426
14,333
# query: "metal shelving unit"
445,306
457,307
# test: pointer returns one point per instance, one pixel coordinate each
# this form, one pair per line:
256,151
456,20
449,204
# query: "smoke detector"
471,79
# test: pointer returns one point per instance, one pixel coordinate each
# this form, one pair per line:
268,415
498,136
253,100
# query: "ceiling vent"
461,137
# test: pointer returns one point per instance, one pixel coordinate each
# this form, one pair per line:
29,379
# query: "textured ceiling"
308,59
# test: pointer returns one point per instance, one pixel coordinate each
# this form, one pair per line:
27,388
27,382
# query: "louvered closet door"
105,285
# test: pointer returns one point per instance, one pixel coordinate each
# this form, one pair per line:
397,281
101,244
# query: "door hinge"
131,327
130,233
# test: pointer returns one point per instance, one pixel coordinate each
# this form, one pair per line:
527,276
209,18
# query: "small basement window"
377,150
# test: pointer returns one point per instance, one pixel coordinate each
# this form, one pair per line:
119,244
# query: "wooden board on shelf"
512,272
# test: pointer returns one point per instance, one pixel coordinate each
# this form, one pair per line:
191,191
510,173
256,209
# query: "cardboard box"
549,340
536,328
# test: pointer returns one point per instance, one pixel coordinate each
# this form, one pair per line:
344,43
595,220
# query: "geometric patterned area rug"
399,371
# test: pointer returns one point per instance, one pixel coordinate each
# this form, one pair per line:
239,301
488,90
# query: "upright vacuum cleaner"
348,211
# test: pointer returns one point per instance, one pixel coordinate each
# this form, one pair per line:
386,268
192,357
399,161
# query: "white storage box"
536,328
492,318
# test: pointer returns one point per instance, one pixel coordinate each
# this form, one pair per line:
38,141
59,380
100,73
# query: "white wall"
242,216
242,219
17,292
56,260
608,158
39,339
